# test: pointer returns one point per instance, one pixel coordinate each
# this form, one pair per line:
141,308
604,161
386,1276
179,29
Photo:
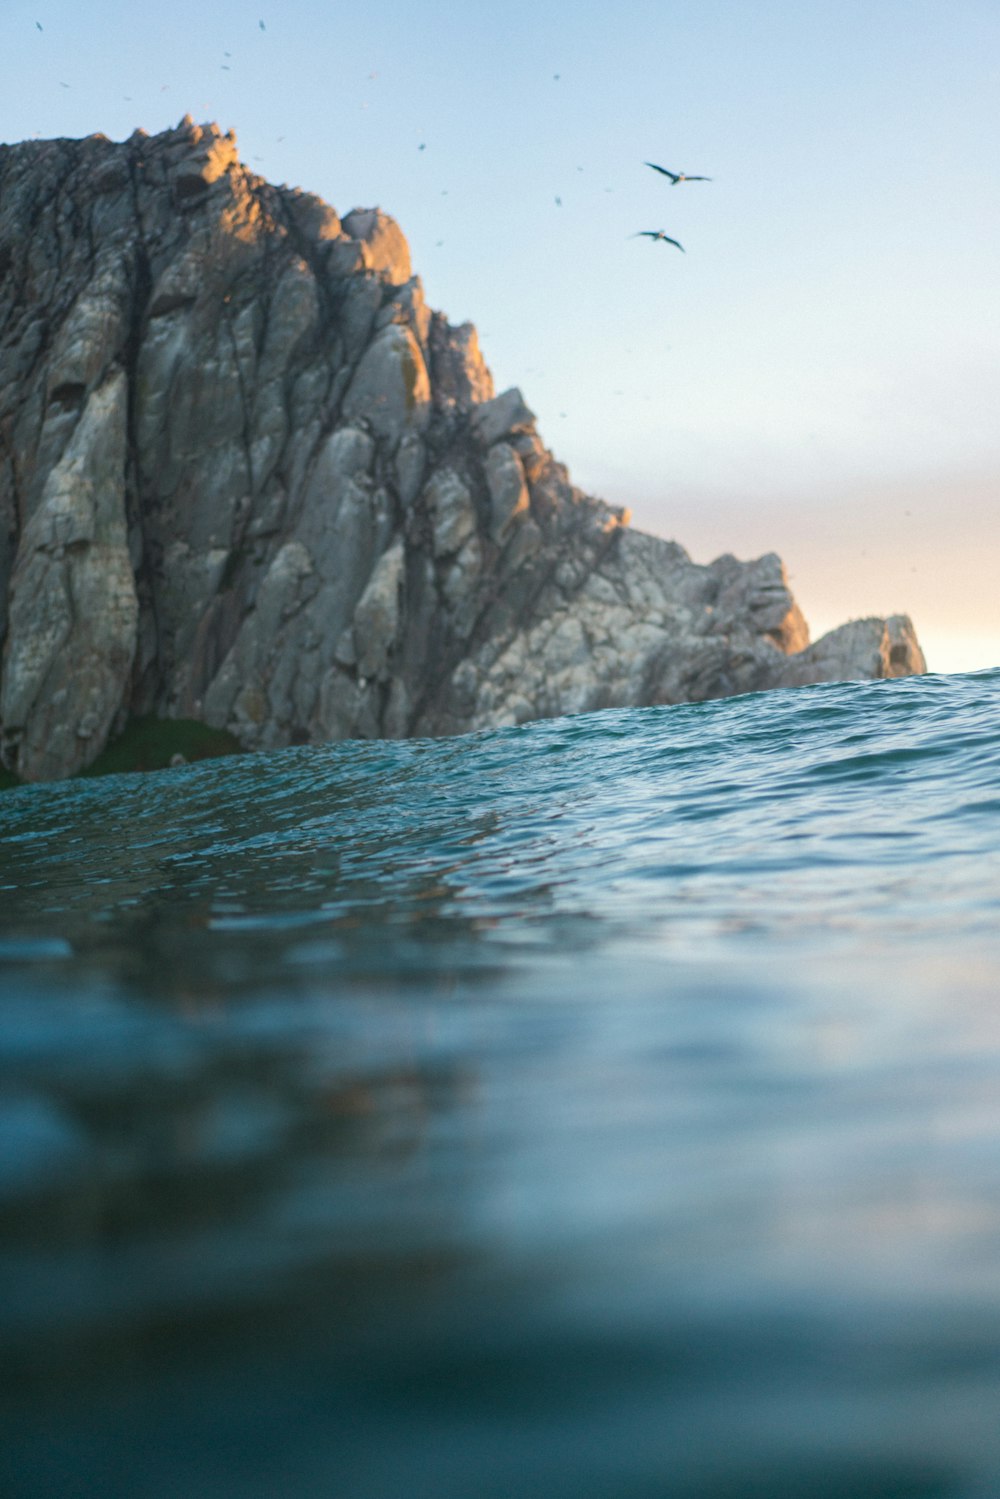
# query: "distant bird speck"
261,25
63,85
658,234
559,202
422,147
39,25
675,177
226,68
555,77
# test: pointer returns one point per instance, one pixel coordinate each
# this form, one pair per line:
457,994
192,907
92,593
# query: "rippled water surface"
606,1108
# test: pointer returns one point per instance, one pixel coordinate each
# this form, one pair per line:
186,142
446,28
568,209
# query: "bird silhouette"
658,234
675,177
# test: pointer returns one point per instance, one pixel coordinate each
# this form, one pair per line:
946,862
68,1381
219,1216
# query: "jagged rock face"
247,476
865,648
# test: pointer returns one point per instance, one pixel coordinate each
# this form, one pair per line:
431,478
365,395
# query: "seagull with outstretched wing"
675,177
658,234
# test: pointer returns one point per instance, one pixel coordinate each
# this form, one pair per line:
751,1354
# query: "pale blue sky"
818,375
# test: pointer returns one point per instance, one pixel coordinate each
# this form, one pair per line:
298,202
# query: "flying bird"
39,25
261,25
675,177
658,234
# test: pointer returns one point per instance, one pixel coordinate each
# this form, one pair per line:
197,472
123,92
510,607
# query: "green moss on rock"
151,743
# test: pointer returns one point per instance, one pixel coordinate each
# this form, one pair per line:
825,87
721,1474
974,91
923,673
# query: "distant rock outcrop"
247,476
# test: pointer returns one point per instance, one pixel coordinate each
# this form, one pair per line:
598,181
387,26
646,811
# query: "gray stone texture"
247,476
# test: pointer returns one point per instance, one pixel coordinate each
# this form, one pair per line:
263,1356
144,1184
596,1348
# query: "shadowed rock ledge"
248,477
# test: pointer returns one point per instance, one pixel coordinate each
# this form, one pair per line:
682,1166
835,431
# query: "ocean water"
606,1108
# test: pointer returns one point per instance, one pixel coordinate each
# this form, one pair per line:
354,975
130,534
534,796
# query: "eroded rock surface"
248,476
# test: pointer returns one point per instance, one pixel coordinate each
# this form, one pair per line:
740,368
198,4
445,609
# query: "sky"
818,374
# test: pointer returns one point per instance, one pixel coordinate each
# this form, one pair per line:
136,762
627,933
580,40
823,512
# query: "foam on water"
606,1106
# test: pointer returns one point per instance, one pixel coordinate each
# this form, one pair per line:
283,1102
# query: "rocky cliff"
247,476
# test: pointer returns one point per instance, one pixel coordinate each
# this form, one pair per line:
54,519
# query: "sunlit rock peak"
247,476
